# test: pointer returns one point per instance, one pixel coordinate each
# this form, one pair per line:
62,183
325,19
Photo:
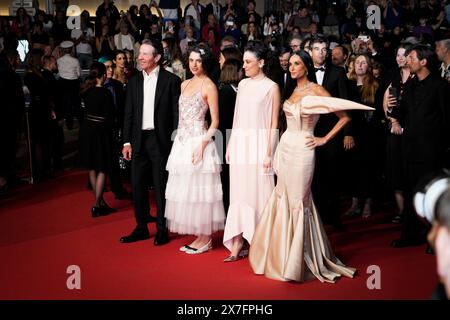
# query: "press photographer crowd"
124,80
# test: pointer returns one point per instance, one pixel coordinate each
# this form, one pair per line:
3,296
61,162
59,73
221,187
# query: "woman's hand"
392,102
312,141
267,164
197,155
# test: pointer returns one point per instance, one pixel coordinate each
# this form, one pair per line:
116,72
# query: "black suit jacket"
165,114
336,83
425,115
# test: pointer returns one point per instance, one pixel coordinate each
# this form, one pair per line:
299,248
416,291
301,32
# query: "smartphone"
230,23
364,38
393,92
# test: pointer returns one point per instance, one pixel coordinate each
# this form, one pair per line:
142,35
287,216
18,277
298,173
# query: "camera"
429,193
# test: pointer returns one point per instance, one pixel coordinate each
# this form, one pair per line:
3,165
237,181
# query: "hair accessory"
202,52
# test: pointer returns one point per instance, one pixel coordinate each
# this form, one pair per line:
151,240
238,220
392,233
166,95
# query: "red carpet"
47,227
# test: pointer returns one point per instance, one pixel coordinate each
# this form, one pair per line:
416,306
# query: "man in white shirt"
443,54
69,78
151,116
83,43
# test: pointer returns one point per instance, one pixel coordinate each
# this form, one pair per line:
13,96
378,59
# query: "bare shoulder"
209,86
318,90
184,83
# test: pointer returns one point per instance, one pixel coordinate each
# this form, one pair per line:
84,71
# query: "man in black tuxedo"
325,185
425,115
151,116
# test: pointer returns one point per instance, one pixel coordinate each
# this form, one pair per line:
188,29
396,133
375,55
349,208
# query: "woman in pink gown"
250,150
290,242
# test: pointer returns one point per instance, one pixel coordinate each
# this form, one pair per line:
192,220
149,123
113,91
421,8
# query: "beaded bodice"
192,111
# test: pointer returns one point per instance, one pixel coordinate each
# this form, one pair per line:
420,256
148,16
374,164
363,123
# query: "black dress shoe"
99,211
136,235
401,243
162,237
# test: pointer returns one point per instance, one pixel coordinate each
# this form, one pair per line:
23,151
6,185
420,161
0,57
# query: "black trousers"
71,100
146,163
325,185
414,229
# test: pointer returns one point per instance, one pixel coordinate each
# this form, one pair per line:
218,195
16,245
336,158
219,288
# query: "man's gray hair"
445,43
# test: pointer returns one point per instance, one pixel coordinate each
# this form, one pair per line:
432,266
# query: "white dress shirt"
320,75
124,41
444,70
83,47
69,67
148,111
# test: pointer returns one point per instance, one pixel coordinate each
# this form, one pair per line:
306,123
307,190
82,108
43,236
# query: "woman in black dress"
395,86
230,76
364,159
96,135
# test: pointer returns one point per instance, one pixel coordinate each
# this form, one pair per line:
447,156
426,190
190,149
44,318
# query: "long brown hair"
370,84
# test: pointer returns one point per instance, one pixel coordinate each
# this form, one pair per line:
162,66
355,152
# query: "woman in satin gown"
290,242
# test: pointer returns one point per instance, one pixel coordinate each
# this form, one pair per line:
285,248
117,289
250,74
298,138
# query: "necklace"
306,86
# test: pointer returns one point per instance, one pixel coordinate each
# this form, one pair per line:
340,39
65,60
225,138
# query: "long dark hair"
292,83
205,54
97,71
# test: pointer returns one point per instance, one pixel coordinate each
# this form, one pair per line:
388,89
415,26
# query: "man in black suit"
216,9
425,115
151,116
326,179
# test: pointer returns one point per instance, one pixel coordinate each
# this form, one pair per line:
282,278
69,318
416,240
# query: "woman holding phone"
398,80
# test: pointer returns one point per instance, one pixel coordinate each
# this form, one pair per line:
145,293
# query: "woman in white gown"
194,191
290,242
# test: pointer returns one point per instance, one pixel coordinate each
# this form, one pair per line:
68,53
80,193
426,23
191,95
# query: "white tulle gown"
193,192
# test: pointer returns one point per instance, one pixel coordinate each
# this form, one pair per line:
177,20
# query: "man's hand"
349,142
127,152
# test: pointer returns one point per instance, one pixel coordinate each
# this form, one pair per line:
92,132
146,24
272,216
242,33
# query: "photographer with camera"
83,39
230,29
105,43
432,203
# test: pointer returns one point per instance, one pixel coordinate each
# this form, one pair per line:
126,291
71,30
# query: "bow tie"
319,69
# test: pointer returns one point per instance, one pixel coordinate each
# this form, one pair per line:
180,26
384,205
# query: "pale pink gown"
250,186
